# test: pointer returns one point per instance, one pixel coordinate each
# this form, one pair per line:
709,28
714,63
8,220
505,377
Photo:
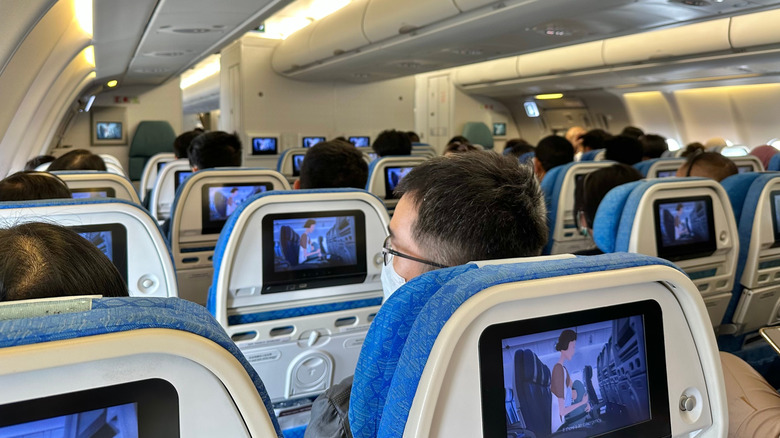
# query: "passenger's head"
564,344
333,164
623,149
37,161
589,193
764,154
574,135
470,206
31,186
182,142
80,159
459,139
653,146
392,142
458,147
214,149
715,144
692,148
551,151
39,260
632,131
413,137
594,139
708,165
516,147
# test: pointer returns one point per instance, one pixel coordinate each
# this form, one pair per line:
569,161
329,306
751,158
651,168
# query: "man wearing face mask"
452,210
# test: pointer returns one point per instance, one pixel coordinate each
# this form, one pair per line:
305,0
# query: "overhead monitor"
665,173
146,408
297,160
684,227
108,130
219,201
308,142
93,193
360,142
264,145
499,129
110,239
598,372
308,250
394,175
179,177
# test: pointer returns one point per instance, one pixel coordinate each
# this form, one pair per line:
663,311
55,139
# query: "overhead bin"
563,59
388,18
467,5
490,71
339,33
710,36
755,29
294,52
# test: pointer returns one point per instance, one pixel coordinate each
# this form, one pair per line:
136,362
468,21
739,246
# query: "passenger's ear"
538,169
297,184
194,168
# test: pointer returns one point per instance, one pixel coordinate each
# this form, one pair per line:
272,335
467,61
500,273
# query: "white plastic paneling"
387,18
577,57
755,29
490,71
467,5
339,32
710,36
294,51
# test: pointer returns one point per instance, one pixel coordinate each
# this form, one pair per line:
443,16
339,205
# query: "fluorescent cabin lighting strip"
199,74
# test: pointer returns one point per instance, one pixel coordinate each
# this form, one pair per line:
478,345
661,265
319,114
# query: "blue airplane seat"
167,356
591,155
532,382
527,158
774,163
164,188
286,163
687,220
644,166
425,368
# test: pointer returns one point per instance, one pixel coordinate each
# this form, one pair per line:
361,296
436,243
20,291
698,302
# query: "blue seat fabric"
551,188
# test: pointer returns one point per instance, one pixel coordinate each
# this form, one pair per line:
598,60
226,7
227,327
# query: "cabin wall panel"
651,111
486,110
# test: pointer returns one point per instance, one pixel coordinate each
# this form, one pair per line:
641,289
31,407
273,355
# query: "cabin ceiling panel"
118,27
17,19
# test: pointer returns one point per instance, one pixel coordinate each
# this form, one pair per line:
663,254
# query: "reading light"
89,55
83,13
548,96
112,83
200,73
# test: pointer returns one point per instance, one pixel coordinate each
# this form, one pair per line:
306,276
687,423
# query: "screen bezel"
157,406
110,192
690,250
303,140
259,152
297,170
491,363
176,183
118,242
274,282
215,227
388,189
775,224
368,140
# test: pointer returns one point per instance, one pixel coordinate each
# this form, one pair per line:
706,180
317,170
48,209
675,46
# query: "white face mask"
391,281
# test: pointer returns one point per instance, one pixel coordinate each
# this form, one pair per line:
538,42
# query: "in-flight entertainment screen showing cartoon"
684,227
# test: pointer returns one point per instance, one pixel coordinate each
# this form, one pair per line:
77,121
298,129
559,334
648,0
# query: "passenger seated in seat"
452,210
333,164
39,260
37,161
551,151
594,139
516,147
31,186
623,149
80,159
458,147
413,137
653,146
708,165
392,142
574,136
214,149
182,142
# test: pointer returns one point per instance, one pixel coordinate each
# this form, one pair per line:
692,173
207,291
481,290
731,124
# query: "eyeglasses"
388,254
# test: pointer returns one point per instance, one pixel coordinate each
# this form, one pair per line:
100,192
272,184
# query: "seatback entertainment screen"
179,177
297,164
665,173
684,227
219,201
360,142
308,142
110,239
93,193
394,175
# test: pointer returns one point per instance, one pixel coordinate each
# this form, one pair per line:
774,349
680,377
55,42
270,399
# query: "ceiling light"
83,12
112,83
89,55
201,72
549,96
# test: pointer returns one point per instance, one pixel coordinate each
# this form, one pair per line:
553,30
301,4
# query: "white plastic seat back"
202,205
152,171
426,151
112,160
385,173
688,221
473,351
125,367
164,190
748,163
664,168
290,163
85,185
307,309
122,230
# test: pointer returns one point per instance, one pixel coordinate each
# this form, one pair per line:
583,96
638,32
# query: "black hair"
37,161
459,138
516,147
592,189
309,223
709,165
475,206
594,139
215,149
30,186
392,142
333,164
553,151
182,142
413,137
632,131
623,149
41,260
653,145
458,147
80,159
693,148
565,339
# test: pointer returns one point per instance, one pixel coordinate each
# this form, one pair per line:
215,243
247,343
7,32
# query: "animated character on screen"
561,383
682,229
232,203
307,249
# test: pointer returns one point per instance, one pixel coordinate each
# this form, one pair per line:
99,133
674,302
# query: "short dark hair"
392,142
413,137
565,339
710,165
80,159
623,149
475,206
458,147
594,139
182,142
30,186
458,138
215,149
692,148
592,189
516,147
653,145
333,164
41,260
632,131
37,161
553,151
